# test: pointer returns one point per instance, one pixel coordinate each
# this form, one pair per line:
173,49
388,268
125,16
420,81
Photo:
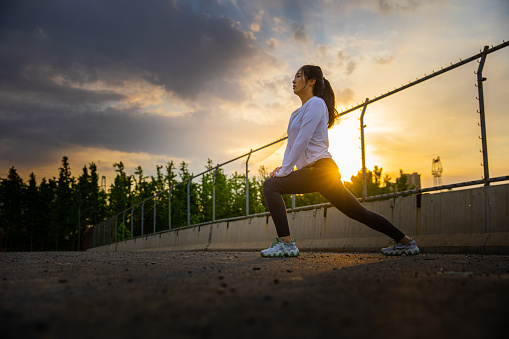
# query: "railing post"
169,207
247,182
142,219
214,194
293,206
484,151
363,151
189,202
155,214
123,225
104,236
115,229
132,222
98,232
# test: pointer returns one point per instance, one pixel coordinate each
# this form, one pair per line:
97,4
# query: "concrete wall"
464,221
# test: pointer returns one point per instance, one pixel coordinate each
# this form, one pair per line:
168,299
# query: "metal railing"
106,232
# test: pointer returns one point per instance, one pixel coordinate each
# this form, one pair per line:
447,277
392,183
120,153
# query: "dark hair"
322,90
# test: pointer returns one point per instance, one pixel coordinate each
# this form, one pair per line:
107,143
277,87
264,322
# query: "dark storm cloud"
61,126
164,42
50,49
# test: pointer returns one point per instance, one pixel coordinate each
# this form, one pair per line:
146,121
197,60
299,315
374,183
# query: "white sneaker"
279,248
398,248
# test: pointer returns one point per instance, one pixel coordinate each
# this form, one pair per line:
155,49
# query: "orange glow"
344,146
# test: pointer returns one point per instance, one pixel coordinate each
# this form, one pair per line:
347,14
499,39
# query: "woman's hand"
273,173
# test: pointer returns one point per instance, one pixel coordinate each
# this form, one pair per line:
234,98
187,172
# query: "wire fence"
121,226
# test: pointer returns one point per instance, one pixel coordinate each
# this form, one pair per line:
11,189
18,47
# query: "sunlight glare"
344,146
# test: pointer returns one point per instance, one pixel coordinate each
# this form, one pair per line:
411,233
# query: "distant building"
414,180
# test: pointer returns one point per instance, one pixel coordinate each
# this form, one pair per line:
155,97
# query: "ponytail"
322,89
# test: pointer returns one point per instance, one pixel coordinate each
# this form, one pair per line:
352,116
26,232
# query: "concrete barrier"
464,221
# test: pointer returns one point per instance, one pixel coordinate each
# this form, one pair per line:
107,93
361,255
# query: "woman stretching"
307,149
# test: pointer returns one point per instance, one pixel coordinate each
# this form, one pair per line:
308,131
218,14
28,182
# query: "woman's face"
300,83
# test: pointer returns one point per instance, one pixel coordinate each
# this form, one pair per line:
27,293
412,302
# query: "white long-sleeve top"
308,139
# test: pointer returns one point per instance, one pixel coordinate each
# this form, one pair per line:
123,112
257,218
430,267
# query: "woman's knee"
268,185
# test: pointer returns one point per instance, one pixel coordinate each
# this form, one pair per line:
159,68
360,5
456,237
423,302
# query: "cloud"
387,6
122,76
384,61
278,25
255,27
346,62
299,33
344,96
257,19
272,43
172,46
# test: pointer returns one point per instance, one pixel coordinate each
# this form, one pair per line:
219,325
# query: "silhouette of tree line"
56,213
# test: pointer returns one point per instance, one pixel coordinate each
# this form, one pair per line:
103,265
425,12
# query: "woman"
307,149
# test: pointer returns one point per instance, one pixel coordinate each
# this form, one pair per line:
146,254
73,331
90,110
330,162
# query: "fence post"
293,206
132,222
155,214
169,208
247,182
189,202
363,151
484,151
142,209
214,194
123,225
115,229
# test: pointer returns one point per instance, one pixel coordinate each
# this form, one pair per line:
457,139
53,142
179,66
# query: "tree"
401,182
32,211
179,199
236,203
90,200
205,193
374,183
120,196
12,209
65,206
47,216
222,194
256,199
97,199
157,185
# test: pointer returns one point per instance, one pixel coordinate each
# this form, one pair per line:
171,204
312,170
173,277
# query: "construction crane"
436,171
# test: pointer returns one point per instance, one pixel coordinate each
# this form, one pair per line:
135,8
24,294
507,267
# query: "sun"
344,146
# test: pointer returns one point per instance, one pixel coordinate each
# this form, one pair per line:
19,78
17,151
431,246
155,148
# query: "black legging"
323,176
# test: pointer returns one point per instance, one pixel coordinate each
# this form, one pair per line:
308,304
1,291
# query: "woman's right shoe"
279,248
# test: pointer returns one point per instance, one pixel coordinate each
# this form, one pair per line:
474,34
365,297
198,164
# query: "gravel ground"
241,295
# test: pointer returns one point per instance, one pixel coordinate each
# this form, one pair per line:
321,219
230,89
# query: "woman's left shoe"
279,248
398,248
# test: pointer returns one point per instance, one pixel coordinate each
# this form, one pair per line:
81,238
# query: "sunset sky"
146,82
